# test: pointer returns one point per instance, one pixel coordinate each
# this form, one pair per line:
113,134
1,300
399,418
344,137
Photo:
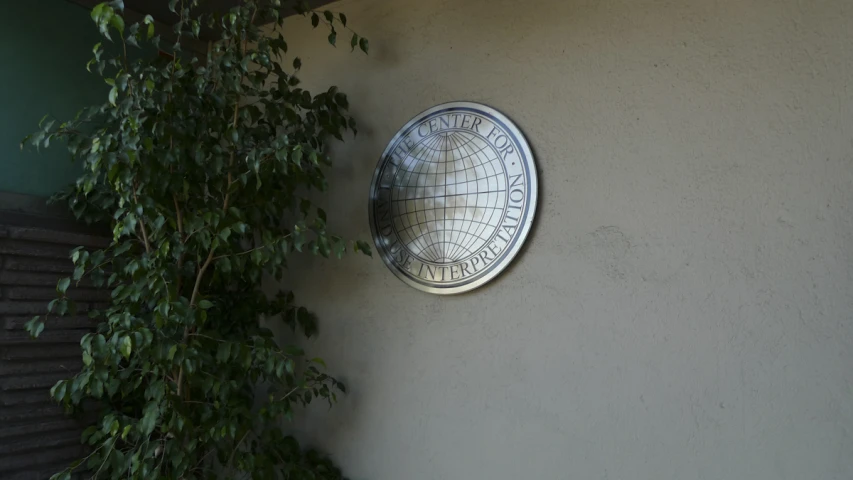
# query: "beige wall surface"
683,308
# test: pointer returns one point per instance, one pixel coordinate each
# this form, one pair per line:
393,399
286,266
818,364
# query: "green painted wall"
44,47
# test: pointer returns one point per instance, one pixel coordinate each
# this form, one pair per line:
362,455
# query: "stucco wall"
682,309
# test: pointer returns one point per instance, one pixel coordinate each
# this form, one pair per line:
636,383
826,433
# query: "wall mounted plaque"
453,198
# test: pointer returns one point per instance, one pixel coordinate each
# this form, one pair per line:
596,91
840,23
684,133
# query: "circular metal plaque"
453,197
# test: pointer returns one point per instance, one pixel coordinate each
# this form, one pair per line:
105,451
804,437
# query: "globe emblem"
448,197
453,198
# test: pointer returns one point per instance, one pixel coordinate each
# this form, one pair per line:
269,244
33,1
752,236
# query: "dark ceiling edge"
162,29
165,30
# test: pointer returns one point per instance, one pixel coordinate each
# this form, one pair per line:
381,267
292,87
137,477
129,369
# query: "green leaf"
343,19
298,241
293,350
339,247
353,41
297,63
98,11
102,14
118,23
205,304
223,265
63,475
363,44
59,389
34,326
333,37
223,352
62,285
342,100
149,418
126,347
113,95
363,247
315,20
25,141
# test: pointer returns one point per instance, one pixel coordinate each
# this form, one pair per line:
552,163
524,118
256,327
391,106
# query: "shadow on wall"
489,52
583,80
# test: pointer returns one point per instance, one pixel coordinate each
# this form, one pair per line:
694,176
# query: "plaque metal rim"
524,229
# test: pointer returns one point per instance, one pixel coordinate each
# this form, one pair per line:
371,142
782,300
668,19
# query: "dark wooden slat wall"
36,438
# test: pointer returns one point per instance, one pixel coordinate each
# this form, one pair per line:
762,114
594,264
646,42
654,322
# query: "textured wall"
36,438
682,309
44,47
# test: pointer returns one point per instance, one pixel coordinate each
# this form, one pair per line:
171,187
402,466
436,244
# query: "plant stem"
180,381
142,225
107,457
180,217
203,269
180,221
144,236
198,277
237,447
266,245
192,304
289,393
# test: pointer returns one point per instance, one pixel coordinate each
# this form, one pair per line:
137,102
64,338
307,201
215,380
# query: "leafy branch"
203,168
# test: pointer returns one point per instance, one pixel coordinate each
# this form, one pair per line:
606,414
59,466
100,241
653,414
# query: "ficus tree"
204,166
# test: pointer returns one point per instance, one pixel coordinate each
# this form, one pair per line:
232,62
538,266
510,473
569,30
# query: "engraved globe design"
448,197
